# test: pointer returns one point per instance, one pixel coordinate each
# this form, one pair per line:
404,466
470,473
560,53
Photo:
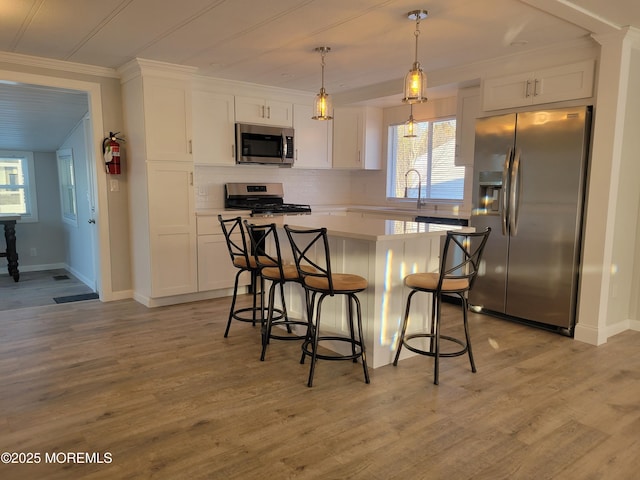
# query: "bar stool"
459,265
244,261
311,254
262,237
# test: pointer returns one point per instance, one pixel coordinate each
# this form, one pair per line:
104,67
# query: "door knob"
92,220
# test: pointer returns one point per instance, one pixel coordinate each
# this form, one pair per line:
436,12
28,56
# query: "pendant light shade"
323,108
415,83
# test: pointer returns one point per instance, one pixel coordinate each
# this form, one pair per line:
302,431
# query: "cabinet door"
167,113
279,113
357,138
215,270
370,136
346,141
566,82
213,129
509,91
468,109
312,139
172,228
263,112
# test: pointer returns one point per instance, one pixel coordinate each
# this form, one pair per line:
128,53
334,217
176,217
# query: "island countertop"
352,225
372,229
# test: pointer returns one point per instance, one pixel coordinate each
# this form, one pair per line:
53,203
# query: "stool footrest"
237,314
288,323
307,350
457,353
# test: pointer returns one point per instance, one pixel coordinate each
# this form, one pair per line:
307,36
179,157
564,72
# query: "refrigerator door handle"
504,215
514,194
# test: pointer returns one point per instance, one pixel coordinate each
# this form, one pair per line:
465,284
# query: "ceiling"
272,42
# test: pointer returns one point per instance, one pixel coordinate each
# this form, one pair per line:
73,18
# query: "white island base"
383,252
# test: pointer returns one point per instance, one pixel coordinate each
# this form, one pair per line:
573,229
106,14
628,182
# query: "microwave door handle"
284,147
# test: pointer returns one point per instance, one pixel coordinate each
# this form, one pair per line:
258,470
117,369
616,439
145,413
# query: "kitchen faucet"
419,185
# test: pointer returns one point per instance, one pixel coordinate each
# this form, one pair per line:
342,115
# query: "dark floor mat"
76,298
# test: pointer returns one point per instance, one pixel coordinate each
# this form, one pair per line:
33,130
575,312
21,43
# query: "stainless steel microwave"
264,145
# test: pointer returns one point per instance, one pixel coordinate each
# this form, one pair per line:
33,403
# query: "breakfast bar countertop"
356,227
346,224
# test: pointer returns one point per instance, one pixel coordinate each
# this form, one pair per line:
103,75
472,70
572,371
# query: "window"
17,185
431,152
67,181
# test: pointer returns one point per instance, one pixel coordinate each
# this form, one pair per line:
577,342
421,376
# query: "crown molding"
59,65
142,66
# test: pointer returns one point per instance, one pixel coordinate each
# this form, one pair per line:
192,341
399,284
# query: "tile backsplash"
315,187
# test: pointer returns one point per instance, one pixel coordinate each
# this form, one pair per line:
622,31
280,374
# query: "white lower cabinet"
215,270
172,229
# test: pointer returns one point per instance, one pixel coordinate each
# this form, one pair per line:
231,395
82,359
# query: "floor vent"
76,298
61,277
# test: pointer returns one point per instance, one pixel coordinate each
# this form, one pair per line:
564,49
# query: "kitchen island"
383,252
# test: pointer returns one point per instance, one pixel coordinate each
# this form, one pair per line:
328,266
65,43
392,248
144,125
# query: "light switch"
114,185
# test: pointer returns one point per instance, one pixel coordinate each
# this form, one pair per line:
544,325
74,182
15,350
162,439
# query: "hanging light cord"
322,54
417,34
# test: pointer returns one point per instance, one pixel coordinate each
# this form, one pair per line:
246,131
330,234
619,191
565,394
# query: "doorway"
91,128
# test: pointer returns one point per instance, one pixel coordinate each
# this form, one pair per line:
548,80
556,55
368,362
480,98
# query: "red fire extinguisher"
111,151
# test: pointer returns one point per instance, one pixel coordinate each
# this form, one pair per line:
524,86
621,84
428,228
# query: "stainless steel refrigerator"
529,187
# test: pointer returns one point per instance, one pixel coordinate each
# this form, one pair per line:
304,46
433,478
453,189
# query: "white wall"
625,286
46,235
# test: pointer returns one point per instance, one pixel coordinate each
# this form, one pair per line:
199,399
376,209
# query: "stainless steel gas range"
262,199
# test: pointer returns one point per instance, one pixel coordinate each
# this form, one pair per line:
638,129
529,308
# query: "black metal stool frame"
309,268
260,235
244,262
465,271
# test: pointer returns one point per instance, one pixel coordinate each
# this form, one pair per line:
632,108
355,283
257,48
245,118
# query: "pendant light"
415,83
409,124
323,107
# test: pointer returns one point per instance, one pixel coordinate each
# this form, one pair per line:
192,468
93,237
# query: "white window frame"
67,184
393,181
29,185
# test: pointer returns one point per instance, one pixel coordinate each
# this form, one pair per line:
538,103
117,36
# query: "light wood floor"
168,397
38,288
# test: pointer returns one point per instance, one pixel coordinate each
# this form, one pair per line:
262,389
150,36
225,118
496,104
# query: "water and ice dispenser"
490,192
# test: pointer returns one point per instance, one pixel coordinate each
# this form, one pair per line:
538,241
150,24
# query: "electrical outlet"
33,252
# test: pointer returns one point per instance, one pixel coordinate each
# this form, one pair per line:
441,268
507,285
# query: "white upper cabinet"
468,109
213,129
167,119
566,82
357,138
264,112
312,139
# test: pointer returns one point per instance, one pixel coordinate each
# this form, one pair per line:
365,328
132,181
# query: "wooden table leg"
11,254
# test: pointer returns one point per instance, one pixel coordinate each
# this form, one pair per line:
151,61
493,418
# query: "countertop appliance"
263,199
264,145
529,187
